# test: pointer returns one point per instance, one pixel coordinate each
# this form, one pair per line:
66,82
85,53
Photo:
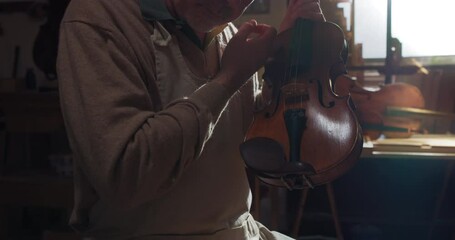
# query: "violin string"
296,51
288,68
287,74
301,38
295,55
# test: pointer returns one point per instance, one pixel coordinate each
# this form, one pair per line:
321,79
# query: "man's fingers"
264,31
246,29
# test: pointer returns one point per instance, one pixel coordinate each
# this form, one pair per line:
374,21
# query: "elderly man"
156,97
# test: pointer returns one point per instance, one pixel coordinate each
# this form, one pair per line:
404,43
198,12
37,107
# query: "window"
424,28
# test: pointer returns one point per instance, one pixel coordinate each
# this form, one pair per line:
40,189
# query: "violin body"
306,135
372,106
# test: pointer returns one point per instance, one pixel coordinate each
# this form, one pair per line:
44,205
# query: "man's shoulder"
100,12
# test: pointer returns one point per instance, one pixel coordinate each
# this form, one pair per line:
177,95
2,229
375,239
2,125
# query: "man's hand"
246,52
308,9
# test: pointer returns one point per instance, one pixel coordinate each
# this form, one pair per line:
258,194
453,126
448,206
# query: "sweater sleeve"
129,153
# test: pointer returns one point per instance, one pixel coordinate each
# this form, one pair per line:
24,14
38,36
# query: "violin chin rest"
266,156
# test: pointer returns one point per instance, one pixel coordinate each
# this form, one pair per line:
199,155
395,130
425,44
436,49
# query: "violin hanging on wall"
306,135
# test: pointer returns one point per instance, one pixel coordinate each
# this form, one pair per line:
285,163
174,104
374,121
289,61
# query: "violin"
372,107
306,134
